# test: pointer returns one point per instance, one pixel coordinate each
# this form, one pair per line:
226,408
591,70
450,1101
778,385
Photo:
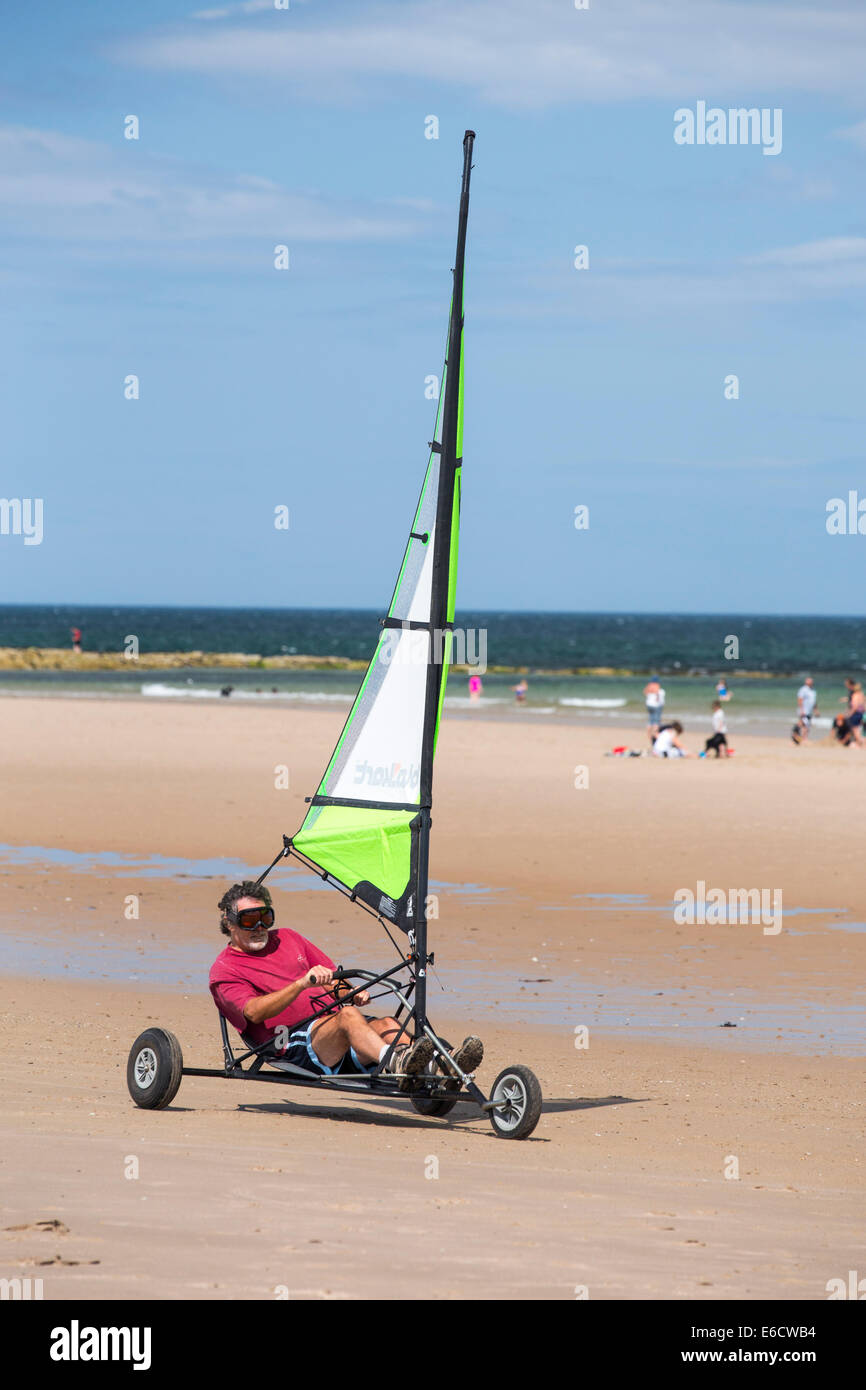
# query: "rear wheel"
154,1069
518,1094
442,1105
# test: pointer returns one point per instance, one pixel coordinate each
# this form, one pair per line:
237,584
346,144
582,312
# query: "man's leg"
336,1033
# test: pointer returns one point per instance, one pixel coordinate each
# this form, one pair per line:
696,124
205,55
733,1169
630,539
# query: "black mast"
448,465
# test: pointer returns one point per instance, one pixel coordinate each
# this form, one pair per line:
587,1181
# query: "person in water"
722,691
475,687
521,690
276,986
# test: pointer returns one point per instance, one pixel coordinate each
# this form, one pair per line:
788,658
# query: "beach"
711,1048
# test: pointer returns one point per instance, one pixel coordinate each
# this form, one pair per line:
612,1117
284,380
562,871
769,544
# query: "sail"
365,822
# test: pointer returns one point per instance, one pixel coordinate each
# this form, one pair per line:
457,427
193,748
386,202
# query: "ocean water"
686,651
669,643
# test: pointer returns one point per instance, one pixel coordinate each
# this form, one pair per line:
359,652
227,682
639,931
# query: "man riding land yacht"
268,980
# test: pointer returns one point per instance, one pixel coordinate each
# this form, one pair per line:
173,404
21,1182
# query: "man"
267,982
807,699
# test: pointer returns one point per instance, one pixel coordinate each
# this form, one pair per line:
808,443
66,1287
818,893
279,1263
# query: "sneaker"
411,1060
469,1056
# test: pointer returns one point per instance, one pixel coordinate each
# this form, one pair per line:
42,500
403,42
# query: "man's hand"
319,975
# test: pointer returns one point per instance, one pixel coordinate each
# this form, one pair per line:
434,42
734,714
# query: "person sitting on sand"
667,741
842,730
267,982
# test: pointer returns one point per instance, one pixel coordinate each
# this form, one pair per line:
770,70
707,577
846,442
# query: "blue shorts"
655,713
301,1054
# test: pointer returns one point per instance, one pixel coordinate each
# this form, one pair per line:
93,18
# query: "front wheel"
518,1094
154,1069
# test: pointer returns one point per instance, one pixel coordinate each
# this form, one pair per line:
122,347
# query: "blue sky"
306,388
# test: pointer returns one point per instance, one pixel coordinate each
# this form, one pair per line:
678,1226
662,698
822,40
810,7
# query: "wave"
593,704
199,692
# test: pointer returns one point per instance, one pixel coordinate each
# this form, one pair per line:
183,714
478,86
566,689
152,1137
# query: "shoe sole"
469,1056
422,1054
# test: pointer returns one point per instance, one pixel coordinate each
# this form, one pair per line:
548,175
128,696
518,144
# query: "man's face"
252,942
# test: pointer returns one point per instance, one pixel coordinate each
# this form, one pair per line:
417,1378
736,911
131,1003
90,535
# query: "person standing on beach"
76,639
655,705
856,712
807,702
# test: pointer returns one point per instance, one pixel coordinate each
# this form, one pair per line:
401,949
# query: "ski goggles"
251,917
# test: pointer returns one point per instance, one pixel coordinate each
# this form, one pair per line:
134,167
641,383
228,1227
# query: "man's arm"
261,1007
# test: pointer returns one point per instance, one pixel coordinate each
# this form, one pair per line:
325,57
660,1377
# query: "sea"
761,658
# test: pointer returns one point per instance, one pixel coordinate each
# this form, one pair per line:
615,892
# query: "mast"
439,641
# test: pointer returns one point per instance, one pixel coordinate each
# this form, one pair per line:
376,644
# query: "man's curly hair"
247,889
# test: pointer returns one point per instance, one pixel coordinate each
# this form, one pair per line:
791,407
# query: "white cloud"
855,133
226,11
65,188
516,53
830,251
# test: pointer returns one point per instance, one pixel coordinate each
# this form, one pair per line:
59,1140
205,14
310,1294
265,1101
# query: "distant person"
76,639
842,730
845,699
718,739
807,706
475,688
722,691
655,705
521,690
226,690
856,712
667,741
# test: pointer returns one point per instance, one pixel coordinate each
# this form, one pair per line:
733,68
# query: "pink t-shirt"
236,977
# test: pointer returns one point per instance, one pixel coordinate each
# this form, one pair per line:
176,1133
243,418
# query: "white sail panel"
380,758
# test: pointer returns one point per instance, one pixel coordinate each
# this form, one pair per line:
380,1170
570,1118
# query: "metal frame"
377,1082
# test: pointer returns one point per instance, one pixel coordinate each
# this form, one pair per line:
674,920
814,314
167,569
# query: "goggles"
249,918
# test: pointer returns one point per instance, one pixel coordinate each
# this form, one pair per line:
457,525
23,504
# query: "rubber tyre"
154,1069
435,1109
522,1087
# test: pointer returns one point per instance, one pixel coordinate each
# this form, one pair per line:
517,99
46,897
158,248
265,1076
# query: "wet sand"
622,1188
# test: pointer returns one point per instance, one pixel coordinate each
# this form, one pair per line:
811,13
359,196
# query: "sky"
602,387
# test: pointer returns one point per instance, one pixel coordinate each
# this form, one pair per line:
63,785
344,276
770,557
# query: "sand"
622,1191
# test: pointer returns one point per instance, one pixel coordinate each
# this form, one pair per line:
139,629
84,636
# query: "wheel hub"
145,1068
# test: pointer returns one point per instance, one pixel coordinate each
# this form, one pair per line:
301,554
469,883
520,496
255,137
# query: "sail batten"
368,823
